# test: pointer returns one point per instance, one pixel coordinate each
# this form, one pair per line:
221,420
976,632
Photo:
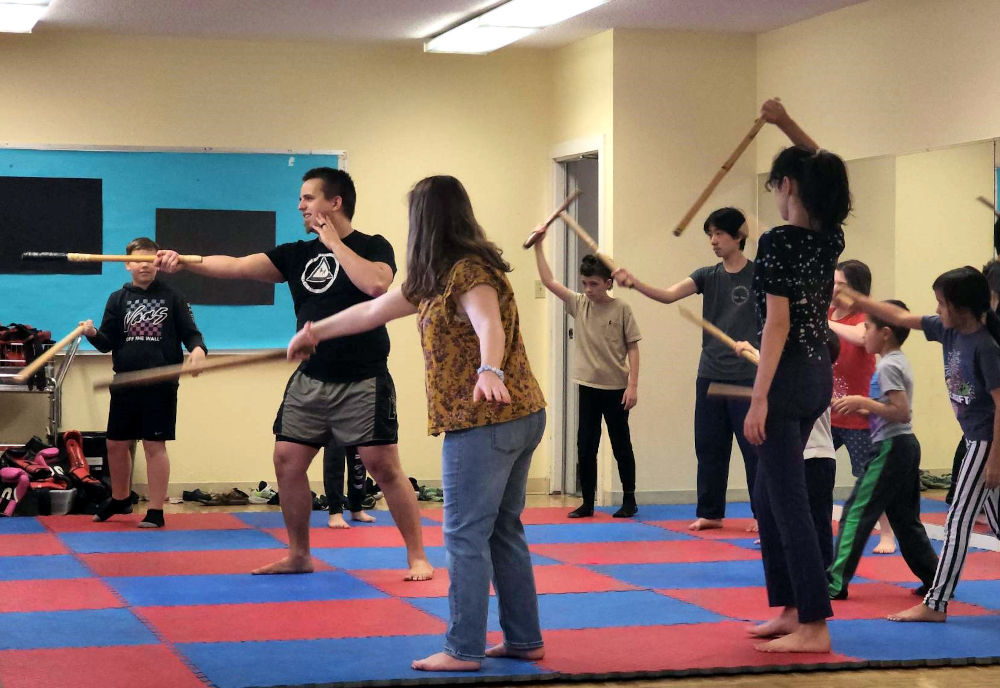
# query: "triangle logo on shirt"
318,275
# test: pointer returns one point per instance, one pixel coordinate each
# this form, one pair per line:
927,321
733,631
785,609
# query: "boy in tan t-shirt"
607,372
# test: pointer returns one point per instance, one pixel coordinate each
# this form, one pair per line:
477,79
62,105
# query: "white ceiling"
405,20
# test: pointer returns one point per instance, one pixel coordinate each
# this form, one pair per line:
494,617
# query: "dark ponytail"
966,287
822,180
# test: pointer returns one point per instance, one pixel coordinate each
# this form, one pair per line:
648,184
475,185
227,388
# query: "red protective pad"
82,523
149,666
290,621
938,519
556,515
186,563
732,529
736,603
565,579
368,536
656,552
31,544
877,600
978,566
390,581
52,595
664,648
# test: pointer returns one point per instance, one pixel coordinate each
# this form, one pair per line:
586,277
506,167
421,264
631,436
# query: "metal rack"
54,377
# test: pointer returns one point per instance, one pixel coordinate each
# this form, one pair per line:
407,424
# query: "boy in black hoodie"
145,322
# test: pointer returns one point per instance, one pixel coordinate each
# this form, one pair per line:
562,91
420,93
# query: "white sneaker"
262,494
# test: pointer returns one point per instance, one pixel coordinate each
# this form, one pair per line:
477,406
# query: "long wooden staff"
591,244
97,257
719,334
47,355
726,166
722,389
172,372
536,235
989,204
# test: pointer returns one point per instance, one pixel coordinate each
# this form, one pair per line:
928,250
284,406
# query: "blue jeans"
485,473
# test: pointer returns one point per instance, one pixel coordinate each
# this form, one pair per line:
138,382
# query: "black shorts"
143,413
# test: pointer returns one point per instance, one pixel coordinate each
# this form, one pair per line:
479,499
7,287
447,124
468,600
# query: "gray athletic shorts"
356,414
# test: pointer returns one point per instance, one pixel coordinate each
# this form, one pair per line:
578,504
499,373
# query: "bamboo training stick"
172,372
47,355
591,244
989,204
98,257
535,236
722,389
718,334
726,166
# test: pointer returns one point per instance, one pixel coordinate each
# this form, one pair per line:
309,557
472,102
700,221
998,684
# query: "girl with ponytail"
792,286
969,332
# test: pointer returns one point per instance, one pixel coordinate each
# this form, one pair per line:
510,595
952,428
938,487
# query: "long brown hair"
443,230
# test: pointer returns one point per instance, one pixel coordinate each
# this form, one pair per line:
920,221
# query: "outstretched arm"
564,293
774,112
256,266
852,334
676,292
888,312
360,317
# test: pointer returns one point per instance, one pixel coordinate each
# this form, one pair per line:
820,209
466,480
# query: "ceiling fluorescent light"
20,16
505,24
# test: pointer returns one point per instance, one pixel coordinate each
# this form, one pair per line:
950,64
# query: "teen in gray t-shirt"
727,305
892,374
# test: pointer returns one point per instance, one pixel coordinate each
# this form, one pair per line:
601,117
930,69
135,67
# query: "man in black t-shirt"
343,393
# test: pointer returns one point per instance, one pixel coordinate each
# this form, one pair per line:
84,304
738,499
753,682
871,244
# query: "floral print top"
798,264
451,355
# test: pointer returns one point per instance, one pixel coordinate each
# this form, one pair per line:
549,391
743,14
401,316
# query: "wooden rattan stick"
989,204
47,355
722,389
726,166
535,236
586,238
172,372
98,257
719,334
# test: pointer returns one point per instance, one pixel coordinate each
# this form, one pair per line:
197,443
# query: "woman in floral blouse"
482,394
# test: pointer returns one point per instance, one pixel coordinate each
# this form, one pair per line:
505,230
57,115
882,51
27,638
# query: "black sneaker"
112,506
152,519
585,510
196,496
368,502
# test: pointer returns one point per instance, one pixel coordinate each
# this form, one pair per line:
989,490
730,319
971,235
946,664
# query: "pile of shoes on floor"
264,494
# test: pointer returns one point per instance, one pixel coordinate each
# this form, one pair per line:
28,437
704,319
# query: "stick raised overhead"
172,372
536,235
586,238
726,166
38,256
989,204
47,355
719,334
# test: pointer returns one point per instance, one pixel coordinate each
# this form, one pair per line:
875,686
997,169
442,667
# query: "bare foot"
810,637
362,517
502,650
337,521
752,528
920,612
705,524
443,662
421,570
886,545
784,623
287,565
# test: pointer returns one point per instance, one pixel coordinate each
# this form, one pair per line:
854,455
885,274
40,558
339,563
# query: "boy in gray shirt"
891,481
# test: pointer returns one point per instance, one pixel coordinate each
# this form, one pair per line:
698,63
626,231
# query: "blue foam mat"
20,525
599,532
156,540
348,660
985,594
155,591
880,640
83,628
370,558
42,566
711,574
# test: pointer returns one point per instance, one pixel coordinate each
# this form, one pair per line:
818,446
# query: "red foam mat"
664,648
82,523
938,519
732,529
56,595
32,544
290,621
658,552
149,666
536,516
185,563
368,536
978,566
390,581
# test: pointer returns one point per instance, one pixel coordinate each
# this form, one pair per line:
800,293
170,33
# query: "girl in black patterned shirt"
793,284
